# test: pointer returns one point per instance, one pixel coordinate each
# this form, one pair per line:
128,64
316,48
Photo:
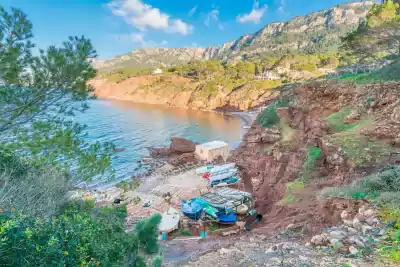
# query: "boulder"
182,145
163,152
353,250
338,234
183,159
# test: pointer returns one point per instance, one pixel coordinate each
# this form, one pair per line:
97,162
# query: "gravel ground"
255,251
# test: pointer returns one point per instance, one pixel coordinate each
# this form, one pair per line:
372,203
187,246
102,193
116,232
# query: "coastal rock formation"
180,152
322,116
182,145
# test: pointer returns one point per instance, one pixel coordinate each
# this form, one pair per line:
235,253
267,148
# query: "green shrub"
313,155
382,188
269,117
359,149
147,232
305,66
337,121
79,236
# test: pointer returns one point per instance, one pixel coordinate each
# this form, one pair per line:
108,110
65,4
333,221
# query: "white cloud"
139,38
212,15
221,27
255,15
144,16
192,11
282,6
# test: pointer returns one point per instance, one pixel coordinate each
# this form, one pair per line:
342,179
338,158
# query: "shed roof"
213,145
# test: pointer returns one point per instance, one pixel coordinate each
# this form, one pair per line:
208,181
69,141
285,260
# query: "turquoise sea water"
136,127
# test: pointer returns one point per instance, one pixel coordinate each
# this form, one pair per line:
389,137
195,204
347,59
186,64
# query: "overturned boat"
214,168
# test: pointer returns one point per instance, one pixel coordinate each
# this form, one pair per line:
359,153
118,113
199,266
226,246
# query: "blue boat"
226,218
192,209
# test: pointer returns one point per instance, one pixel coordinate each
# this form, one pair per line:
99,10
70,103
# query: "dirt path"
254,250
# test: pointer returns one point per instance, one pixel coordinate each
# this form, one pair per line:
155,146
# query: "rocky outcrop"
269,160
180,152
182,145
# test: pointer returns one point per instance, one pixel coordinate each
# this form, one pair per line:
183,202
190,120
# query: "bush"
269,117
30,190
336,121
305,66
147,232
313,155
382,188
359,149
79,236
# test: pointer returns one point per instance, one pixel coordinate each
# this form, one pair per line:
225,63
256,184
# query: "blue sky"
119,26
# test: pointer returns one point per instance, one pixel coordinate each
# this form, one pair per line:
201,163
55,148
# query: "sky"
120,26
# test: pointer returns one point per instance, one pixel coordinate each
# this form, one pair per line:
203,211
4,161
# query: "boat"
169,221
221,175
214,168
225,182
226,199
192,209
226,218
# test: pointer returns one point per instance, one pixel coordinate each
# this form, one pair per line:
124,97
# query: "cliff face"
317,32
353,128
182,92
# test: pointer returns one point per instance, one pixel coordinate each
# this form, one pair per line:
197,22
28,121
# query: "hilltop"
317,32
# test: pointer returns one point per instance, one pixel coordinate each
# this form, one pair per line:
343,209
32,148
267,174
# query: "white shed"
209,151
158,71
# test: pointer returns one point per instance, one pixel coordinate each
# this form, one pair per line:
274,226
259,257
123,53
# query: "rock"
338,235
361,210
345,215
223,251
370,213
366,229
267,137
372,221
357,224
284,114
336,244
355,240
353,250
351,230
163,152
271,250
348,223
381,232
182,145
320,240
183,159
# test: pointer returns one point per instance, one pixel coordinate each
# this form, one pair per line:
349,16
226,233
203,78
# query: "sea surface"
137,127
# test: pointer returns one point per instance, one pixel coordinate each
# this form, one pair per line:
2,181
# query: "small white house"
209,151
158,71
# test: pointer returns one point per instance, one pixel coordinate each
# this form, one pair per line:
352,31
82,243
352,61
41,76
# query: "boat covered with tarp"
227,199
214,168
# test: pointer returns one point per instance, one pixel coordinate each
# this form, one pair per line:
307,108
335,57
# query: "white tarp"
169,221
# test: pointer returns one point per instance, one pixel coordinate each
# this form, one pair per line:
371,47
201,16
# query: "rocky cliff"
331,134
187,93
316,32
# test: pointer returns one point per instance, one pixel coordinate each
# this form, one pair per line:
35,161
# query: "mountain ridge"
317,32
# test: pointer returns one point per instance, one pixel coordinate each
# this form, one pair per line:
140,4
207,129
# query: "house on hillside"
268,75
158,71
